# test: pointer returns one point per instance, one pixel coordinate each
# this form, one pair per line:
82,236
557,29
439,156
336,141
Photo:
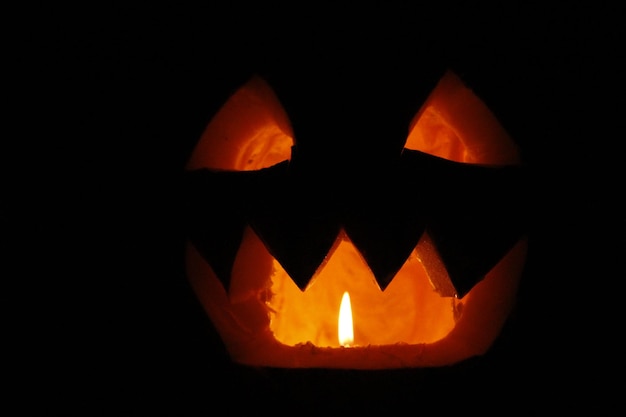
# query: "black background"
106,104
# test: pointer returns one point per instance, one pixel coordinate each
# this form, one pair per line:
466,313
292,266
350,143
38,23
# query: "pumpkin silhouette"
427,238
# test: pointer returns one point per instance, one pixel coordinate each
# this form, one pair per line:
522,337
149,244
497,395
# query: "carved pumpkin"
427,252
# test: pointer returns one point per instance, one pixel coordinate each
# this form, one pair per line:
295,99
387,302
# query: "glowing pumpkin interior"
264,319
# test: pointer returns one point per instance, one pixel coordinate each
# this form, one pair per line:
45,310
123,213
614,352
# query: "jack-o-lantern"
418,266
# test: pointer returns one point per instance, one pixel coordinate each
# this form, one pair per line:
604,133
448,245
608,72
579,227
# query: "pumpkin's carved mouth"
472,214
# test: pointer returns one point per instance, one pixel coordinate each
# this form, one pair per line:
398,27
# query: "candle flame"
346,330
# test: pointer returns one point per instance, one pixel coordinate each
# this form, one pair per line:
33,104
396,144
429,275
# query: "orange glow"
455,124
262,141
345,327
299,317
265,319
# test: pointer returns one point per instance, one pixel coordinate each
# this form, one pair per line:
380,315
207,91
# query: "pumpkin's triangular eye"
455,124
250,131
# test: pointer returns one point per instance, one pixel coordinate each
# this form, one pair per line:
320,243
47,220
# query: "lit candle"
345,328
